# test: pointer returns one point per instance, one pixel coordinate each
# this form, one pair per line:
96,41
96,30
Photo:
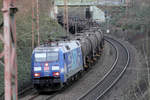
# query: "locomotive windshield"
52,56
49,57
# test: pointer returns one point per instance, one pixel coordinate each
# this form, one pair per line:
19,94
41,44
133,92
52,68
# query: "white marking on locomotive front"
55,67
37,68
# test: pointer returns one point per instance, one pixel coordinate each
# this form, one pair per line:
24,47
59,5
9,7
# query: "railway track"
31,93
35,95
45,96
114,74
26,91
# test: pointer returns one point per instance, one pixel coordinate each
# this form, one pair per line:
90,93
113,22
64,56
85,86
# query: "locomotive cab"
53,66
47,67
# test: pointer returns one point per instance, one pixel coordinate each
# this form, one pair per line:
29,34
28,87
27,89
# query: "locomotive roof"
65,46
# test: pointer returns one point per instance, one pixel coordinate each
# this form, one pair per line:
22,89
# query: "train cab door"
65,65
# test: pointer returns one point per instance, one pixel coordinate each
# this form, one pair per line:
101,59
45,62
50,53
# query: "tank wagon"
57,63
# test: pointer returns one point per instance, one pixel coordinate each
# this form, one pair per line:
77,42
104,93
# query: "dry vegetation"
132,24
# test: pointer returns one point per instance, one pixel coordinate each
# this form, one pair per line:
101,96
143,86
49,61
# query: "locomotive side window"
67,47
77,43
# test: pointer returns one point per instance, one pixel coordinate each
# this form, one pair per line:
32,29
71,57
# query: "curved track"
111,78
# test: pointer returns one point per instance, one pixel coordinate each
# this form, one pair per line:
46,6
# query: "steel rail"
25,90
50,97
45,97
34,96
121,74
105,76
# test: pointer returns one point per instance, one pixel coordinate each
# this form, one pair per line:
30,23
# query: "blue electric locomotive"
54,64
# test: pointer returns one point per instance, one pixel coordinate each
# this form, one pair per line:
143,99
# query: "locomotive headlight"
55,67
36,74
37,68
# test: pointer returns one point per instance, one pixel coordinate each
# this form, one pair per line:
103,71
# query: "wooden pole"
33,18
66,16
37,19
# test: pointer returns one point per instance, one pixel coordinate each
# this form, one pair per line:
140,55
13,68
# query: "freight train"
57,63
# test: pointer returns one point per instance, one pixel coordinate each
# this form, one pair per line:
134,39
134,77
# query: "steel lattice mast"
10,71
